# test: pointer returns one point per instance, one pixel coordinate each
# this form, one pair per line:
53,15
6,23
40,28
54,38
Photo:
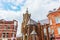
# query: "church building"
32,30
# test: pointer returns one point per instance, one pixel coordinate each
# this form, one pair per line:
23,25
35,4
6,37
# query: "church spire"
27,10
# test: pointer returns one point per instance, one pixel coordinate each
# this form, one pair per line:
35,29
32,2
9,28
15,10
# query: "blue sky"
12,5
14,9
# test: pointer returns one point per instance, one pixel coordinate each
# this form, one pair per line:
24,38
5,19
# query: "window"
50,22
7,35
58,30
3,35
13,39
8,27
45,31
13,27
12,34
49,29
25,37
57,19
5,27
52,31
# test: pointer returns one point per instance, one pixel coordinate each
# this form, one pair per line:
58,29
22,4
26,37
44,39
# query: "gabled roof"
31,22
45,21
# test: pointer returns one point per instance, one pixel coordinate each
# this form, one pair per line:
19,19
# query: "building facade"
8,29
54,21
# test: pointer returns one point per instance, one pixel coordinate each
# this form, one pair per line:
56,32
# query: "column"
28,33
47,31
42,32
39,30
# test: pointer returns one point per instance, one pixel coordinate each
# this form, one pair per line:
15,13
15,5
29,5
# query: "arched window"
57,19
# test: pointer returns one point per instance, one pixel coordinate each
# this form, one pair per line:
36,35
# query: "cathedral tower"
26,17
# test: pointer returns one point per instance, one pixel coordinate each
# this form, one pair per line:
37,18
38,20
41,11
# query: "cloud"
12,5
11,15
39,9
14,9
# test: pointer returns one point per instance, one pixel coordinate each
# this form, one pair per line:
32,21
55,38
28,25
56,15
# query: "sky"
14,9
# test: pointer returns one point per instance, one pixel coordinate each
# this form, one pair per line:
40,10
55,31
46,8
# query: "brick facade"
8,29
54,17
